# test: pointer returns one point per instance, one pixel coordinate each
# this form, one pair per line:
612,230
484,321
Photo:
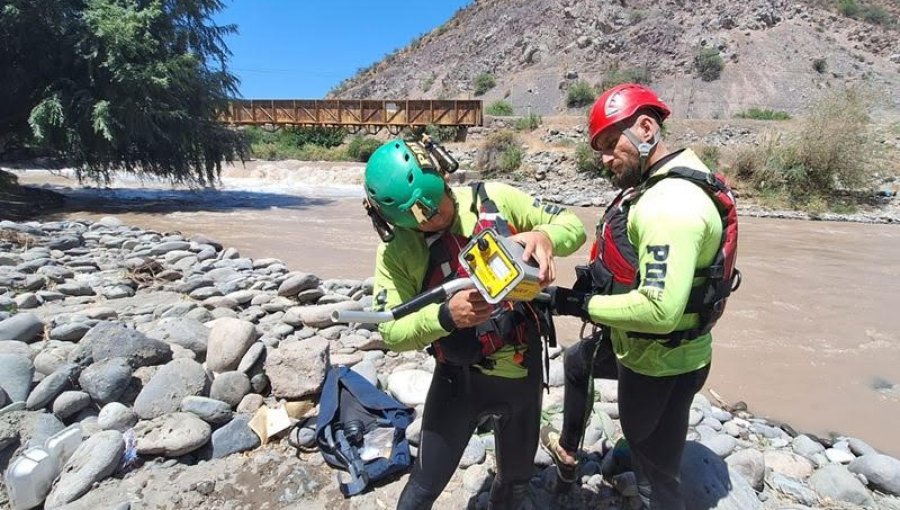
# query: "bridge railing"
357,114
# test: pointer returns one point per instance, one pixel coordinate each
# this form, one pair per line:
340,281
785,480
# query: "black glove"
565,301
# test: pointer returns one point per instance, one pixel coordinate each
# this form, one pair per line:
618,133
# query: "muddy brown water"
811,338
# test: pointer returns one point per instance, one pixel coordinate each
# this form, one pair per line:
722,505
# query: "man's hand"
565,301
468,308
538,248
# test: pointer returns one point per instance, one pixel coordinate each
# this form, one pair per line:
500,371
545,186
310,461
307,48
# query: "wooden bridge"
368,115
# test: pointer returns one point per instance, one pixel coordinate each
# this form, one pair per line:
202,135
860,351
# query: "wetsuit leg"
516,435
589,358
654,415
448,421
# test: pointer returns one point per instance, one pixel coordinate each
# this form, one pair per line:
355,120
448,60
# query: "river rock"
794,488
409,386
115,340
721,444
94,460
788,464
75,289
838,456
70,332
707,482
68,403
229,340
182,331
368,370
107,380
173,382
298,283
473,454
208,409
51,358
251,357
24,327
317,316
859,447
236,436
17,348
750,464
27,301
230,387
16,373
166,247
116,416
51,386
250,403
171,435
297,369
882,472
836,482
805,446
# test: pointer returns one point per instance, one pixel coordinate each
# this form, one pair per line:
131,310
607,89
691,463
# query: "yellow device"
495,265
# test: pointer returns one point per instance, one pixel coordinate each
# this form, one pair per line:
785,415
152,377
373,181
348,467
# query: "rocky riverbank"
159,350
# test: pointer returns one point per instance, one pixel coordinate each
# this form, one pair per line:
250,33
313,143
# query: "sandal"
566,472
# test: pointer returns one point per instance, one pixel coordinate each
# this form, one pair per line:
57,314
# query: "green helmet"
403,184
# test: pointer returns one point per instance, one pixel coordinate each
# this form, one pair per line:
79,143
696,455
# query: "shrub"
441,134
361,147
616,76
811,163
586,159
709,64
820,65
709,154
483,83
635,16
849,8
529,122
877,15
425,85
580,94
763,114
499,108
500,153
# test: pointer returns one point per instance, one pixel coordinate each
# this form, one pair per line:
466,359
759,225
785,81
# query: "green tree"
119,84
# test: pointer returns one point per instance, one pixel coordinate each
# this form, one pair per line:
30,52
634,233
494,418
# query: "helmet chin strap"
644,148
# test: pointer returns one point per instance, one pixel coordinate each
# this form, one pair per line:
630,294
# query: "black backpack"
351,412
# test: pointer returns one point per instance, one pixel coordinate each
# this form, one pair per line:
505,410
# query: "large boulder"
882,472
297,369
836,482
24,327
16,373
93,460
115,340
107,380
188,333
173,382
171,435
229,340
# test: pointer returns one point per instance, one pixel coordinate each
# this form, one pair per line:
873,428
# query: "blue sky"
293,49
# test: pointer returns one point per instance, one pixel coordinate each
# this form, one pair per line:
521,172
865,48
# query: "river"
811,338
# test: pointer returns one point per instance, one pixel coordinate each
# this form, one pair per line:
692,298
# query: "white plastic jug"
63,443
30,477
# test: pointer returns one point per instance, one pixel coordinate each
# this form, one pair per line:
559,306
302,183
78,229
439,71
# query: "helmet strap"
644,148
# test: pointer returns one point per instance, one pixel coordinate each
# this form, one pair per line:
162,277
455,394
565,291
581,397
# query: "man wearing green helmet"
488,356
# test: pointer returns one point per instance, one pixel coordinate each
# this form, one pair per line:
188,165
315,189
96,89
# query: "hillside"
536,49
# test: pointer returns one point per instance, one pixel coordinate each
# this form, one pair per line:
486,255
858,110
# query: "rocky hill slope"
536,49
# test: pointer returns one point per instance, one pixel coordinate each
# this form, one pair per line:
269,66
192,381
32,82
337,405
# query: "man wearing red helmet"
661,269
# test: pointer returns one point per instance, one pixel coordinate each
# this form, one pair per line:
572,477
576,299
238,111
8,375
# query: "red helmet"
621,102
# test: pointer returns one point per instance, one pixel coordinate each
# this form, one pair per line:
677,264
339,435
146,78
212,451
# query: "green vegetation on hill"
831,153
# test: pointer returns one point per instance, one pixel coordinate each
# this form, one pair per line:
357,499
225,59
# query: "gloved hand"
564,301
